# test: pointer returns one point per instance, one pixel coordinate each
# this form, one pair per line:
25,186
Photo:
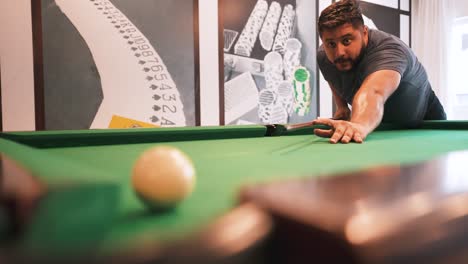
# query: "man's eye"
346,42
331,44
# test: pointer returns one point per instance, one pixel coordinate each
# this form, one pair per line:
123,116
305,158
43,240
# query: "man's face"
344,45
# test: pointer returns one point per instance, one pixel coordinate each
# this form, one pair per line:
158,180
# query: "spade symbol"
154,119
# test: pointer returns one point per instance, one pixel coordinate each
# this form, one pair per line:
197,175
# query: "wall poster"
269,71
100,59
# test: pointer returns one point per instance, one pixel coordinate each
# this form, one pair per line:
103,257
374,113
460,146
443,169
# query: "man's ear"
365,33
365,30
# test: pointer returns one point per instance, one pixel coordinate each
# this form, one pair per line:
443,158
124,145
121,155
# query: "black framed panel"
196,53
262,44
387,19
221,8
98,59
36,16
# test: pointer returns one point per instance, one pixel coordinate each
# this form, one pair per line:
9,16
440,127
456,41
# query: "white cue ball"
163,176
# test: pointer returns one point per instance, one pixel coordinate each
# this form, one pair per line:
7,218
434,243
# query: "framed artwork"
96,60
269,65
392,16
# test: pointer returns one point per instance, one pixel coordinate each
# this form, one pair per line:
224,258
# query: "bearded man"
374,72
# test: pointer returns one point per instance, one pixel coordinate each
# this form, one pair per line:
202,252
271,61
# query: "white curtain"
432,22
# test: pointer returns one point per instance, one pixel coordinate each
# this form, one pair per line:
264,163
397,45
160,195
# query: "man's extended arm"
368,103
368,109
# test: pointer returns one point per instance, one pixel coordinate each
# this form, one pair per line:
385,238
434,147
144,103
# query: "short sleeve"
391,56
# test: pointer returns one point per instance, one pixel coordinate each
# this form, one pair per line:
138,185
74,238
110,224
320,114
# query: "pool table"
84,204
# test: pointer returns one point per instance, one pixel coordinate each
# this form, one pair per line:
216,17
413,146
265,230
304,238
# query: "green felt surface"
223,165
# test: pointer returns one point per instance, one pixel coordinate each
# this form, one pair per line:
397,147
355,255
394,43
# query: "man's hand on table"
341,131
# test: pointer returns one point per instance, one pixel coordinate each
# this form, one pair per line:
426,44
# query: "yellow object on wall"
123,122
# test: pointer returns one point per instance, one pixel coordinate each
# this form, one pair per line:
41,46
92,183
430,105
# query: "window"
459,82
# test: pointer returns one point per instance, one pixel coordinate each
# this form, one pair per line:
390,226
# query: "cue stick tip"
275,130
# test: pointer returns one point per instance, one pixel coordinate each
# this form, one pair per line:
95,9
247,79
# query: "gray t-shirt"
409,103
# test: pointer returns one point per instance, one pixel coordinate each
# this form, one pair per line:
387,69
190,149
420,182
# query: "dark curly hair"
340,13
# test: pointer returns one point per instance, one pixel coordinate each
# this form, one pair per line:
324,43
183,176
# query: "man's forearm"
368,109
368,103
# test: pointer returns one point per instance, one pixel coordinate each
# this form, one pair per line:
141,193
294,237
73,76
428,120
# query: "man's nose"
340,51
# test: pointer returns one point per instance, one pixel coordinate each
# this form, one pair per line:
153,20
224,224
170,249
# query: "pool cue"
292,127
278,130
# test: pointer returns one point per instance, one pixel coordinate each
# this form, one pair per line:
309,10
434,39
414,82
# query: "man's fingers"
347,136
338,134
341,131
323,121
357,138
323,132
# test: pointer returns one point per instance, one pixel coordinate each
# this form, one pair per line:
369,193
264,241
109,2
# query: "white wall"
209,66
325,96
462,8
16,65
